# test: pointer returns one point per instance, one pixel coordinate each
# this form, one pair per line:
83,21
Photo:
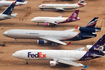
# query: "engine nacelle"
97,29
88,47
53,63
41,41
46,24
89,30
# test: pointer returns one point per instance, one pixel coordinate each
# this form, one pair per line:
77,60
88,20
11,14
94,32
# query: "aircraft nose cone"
14,55
5,33
40,6
32,20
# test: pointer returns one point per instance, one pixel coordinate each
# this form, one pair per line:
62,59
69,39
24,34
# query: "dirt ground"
93,8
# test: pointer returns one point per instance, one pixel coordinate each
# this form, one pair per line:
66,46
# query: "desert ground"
93,8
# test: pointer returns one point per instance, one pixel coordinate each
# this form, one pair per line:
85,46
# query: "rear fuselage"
4,16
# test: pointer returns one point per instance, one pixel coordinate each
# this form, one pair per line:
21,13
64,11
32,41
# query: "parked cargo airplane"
62,7
64,56
4,3
55,37
6,14
56,20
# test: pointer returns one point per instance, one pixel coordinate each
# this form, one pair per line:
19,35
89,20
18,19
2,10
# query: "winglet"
68,43
76,27
84,68
14,2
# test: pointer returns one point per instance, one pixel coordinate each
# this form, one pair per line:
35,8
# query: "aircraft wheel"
54,44
65,65
54,25
26,61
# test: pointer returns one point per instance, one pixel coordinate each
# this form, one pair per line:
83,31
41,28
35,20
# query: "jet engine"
46,24
53,63
41,41
88,47
89,30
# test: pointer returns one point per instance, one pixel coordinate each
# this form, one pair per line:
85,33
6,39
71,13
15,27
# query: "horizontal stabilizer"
97,55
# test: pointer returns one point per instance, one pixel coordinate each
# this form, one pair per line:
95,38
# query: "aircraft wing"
69,62
55,40
79,49
60,9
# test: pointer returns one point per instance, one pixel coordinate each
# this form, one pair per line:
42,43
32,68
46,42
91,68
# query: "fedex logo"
38,55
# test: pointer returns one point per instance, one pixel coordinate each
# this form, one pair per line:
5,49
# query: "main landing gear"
26,61
15,40
42,9
38,24
54,44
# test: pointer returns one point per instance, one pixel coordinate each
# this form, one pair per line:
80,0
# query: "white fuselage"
72,55
38,34
7,3
49,19
59,6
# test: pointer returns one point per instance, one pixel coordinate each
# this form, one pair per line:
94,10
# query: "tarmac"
93,8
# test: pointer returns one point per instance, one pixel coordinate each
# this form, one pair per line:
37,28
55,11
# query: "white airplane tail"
13,15
81,3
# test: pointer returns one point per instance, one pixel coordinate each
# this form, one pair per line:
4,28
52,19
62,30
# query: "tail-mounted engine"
53,63
89,30
41,41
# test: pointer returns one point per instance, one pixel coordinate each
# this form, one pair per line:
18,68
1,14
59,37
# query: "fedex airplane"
6,14
4,3
62,7
56,20
55,37
64,56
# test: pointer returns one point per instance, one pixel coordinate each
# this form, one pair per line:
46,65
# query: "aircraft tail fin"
81,3
9,10
84,68
101,41
92,23
20,0
90,27
73,17
98,46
